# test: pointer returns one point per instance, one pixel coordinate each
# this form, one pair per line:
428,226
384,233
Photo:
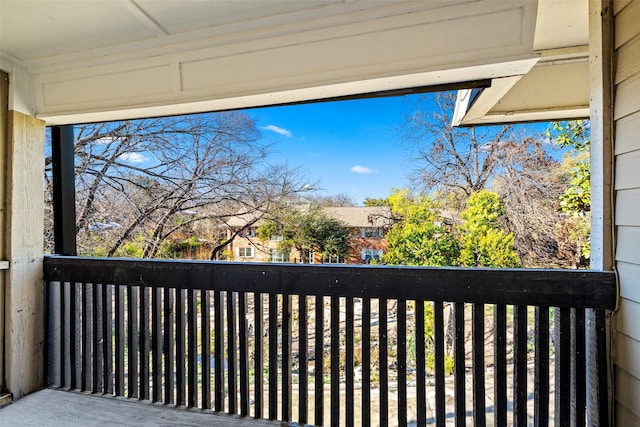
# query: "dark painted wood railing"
522,346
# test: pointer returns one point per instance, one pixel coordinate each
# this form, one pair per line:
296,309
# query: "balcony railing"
333,345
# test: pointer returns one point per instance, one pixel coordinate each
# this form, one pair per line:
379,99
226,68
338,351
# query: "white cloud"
281,131
133,157
363,169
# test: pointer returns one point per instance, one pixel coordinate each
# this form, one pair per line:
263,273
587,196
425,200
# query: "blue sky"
351,147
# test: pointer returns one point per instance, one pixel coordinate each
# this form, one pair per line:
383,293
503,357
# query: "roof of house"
351,216
243,219
362,216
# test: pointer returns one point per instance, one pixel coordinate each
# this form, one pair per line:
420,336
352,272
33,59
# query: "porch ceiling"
557,87
78,61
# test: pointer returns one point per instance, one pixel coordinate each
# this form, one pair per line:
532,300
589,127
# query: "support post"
599,399
64,201
24,237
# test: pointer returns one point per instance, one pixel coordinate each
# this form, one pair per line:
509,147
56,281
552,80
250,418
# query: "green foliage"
448,363
429,333
268,229
368,201
133,248
576,199
417,239
483,242
308,229
178,248
573,134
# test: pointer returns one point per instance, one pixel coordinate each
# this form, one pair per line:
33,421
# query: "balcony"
332,345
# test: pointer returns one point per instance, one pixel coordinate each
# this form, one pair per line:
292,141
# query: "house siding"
626,345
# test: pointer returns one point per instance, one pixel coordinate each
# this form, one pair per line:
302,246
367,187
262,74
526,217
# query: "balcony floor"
61,408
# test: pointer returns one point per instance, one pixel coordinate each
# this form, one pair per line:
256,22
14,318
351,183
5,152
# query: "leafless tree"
144,180
452,158
454,162
337,200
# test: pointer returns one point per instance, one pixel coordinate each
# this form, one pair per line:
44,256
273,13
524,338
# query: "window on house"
277,237
372,232
369,255
306,257
278,256
248,232
245,252
333,259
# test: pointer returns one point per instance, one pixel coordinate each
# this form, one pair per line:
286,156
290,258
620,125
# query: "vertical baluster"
107,330
348,371
73,344
244,354
232,373
600,326
286,358
168,346
192,343
384,372
86,336
319,362
541,374
563,366
366,360
96,323
402,361
120,339
421,395
273,356
156,344
303,398
500,364
459,366
144,343
579,383
180,347
62,343
205,319
335,361
438,326
258,363
218,351
132,343
520,365
478,366
48,334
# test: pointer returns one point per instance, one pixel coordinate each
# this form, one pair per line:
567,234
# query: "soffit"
100,59
556,88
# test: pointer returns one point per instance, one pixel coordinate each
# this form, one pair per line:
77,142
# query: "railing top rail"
537,287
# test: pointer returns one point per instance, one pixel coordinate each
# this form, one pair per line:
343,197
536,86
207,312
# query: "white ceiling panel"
38,29
71,59
188,15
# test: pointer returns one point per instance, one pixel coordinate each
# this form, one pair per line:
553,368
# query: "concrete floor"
62,408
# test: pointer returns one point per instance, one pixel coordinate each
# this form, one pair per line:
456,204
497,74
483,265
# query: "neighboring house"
367,226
